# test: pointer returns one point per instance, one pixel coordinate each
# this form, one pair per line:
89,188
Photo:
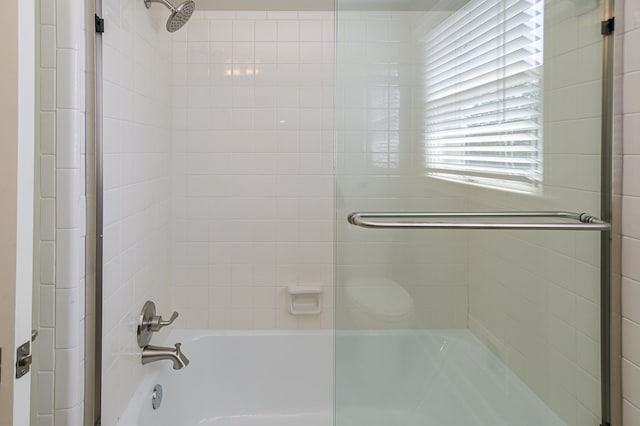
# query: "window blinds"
482,91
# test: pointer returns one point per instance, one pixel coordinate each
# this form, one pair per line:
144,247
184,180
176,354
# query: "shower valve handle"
156,323
149,323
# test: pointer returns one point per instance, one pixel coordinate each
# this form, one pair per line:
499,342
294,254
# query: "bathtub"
241,379
393,378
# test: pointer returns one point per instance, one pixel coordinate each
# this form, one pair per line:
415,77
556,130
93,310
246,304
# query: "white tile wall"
629,27
252,167
137,136
44,293
58,370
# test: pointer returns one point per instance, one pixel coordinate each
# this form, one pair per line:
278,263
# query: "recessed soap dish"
304,300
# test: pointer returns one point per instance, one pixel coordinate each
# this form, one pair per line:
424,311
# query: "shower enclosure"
468,286
437,170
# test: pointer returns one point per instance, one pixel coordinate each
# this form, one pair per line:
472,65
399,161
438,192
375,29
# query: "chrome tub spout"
152,353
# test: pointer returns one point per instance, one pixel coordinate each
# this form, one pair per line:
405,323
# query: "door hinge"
608,26
99,24
24,359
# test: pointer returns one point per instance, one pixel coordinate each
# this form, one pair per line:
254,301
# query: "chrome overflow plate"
156,397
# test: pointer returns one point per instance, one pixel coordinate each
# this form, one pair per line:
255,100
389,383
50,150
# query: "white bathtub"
241,379
401,378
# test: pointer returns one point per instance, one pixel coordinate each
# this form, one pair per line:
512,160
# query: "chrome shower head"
179,15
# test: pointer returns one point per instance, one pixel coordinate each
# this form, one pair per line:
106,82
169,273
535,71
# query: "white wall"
17,109
534,296
629,26
252,167
137,135
59,292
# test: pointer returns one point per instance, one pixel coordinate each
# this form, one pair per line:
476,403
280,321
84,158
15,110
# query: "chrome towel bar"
444,220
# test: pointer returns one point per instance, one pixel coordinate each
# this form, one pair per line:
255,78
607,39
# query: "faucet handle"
149,322
171,320
157,322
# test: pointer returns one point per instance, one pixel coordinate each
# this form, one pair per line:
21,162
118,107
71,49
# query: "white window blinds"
483,100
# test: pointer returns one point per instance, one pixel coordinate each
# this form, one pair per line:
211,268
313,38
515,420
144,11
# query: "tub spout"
156,353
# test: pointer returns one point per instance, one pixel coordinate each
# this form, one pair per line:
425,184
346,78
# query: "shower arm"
169,6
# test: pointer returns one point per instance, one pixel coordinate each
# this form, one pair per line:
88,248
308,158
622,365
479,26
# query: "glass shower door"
467,279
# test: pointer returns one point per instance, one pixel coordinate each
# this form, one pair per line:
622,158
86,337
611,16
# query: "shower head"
179,15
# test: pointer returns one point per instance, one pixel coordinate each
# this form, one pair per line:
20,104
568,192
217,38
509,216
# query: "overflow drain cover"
156,397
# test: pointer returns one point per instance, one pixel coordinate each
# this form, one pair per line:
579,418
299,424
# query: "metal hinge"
608,26
24,359
99,24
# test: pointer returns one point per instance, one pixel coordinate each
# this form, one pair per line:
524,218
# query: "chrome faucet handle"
149,323
157,322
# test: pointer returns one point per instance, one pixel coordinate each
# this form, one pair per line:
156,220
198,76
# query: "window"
483,100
